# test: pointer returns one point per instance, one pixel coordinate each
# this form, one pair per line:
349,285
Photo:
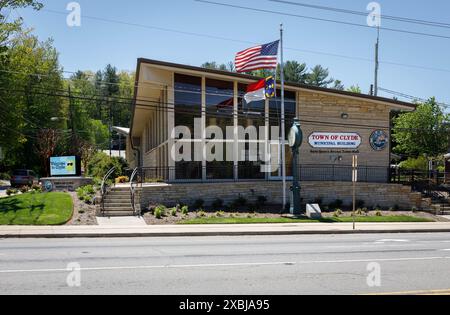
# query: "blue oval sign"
379,140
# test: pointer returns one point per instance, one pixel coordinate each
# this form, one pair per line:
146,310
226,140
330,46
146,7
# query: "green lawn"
36,209
216,220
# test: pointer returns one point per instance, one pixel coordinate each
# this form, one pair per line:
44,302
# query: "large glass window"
188,106
250,115
188,100
219,112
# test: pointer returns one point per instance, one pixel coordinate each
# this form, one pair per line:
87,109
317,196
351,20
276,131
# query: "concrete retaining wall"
383,195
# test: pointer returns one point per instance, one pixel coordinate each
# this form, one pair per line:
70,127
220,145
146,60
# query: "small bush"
261,202
396,208
201,214
220,214
185,210
122,179
360,204
338,213
414,209
36,188
359,212
86,194
24,189
5,176
173,212
239,202
160,211
198,204
10,192
378,214
217,204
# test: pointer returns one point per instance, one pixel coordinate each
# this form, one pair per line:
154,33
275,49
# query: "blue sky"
97,43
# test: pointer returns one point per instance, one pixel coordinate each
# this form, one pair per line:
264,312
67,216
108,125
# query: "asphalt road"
311,264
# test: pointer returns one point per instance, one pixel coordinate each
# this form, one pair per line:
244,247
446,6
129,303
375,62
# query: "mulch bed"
83,214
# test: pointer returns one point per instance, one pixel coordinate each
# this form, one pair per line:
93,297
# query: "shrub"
396,207
86,193
261,201
122,179
201,214
217,204
173,212
36,188
5,176
160,211
414,209
359,212
101,163
185,210
198,204
378,214
220,214
24,189
360,204
238,202
10,192
338,213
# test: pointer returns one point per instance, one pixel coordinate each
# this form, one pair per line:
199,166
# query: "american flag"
259,57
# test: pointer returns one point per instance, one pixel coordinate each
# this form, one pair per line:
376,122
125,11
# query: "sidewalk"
217,230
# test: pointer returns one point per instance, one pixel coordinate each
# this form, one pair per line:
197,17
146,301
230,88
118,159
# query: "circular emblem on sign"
48,185
379,140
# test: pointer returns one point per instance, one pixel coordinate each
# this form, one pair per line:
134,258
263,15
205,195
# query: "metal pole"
283,123
377,63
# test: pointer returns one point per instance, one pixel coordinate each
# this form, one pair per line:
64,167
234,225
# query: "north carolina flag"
260,90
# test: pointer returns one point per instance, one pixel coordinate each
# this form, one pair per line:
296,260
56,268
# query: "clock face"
292,137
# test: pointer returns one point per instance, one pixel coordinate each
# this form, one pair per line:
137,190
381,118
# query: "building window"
188,100
220,113
188,106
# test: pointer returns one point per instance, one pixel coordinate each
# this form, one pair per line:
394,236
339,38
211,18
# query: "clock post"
295,142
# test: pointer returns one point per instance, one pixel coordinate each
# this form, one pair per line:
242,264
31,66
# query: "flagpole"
283,129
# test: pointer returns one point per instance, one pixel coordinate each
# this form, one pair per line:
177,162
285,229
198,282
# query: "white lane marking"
391,241
152,267
229,265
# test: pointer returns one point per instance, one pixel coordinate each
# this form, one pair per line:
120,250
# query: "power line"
243,42
360,13
321,19
410,97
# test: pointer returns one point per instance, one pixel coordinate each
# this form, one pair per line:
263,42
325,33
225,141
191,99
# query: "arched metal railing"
133,186
104,189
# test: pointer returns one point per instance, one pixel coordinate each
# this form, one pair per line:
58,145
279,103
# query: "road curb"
200,234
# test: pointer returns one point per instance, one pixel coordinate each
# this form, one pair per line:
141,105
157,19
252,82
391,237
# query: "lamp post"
295,142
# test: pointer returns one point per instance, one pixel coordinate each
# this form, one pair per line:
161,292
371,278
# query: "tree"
7,29
338,85
319,76
422,132
354,89
294,72
46,145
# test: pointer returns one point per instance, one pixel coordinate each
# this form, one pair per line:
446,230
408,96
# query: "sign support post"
354,180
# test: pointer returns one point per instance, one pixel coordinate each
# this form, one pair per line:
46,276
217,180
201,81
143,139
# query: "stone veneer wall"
383,195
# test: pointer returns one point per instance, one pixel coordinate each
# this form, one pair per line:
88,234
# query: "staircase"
117,203
441,208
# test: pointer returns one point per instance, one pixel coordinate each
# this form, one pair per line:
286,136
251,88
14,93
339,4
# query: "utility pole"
110,129
377,63
283,123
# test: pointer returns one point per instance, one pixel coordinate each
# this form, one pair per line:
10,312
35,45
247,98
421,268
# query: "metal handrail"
104,188
133,191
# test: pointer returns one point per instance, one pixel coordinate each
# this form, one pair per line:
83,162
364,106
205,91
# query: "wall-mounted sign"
379,140
335,140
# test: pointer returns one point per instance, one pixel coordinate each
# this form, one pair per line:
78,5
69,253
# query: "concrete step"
117,213
118,208
117,204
